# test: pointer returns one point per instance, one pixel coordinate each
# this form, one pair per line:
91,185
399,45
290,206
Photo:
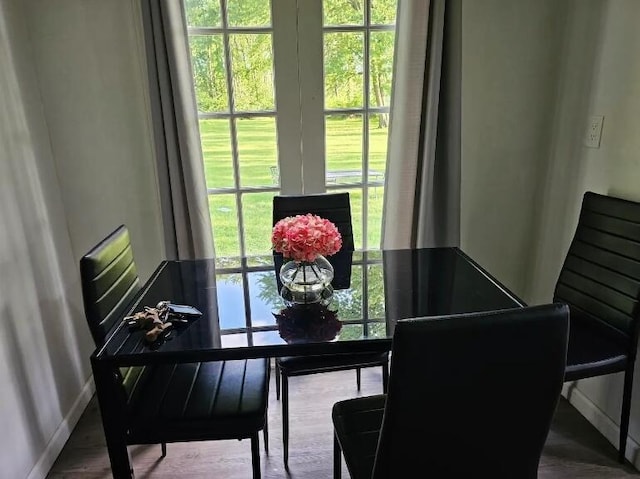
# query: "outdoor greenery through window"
256,65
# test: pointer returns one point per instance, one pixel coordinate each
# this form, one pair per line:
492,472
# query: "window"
293,98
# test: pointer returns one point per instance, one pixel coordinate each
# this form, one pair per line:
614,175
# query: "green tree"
344,55
207,59
252,71
251,56
381,70
202,13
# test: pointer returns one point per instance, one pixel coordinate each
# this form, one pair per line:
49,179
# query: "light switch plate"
594,131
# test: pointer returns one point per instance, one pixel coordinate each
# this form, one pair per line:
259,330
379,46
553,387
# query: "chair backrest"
473,395
109,282
335,207
600,277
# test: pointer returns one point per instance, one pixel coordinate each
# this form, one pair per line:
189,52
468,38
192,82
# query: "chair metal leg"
164,449
385,377
277,381
358,377
285,420
265,434
626,411
337,464
255,455
265,429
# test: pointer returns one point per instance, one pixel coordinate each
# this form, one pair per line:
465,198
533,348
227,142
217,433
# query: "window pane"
224,219
264,259
257,215
243,13
263,291
343,12
207,58
355,198
252,65
261,338
378,134
257,151
380,68
383,12
227,262
237,340
350,332
343,68
343,149
377,330
375,295
216,150
230,296
348,302
374,255
374,213
203,13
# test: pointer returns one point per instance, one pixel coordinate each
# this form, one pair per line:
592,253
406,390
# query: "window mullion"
287,87
232,127
365,125
310,47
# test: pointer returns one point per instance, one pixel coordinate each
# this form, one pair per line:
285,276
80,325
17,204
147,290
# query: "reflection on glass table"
250,302
238,298
307,322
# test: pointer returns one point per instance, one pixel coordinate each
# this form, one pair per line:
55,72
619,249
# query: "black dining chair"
600,281
335,207
172,402
470,395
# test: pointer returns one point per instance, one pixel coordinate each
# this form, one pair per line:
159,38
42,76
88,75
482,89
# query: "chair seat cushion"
191,401
592,352
357,425
299,365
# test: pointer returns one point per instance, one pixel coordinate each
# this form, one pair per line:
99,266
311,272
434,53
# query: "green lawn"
257,153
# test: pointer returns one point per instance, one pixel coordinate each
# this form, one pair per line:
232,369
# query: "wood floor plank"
574,448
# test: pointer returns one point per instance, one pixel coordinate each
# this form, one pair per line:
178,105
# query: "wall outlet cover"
594,131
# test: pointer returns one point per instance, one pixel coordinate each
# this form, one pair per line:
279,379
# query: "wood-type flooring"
574,448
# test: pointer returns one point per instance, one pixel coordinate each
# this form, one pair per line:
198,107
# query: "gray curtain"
422,190
183,191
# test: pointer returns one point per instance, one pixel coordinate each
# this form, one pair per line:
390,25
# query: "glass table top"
244,315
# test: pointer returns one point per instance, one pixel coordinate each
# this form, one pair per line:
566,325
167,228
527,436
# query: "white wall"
90,64
509,72
75,161
533,72
41,369
601,77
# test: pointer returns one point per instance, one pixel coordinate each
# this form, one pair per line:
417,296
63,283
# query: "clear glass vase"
306,282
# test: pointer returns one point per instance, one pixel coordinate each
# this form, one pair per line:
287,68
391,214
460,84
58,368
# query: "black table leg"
113,420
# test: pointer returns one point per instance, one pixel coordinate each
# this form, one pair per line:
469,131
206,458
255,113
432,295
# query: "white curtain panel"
422,190
183,191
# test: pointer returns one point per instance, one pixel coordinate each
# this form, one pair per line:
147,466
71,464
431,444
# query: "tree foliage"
203,13
347,303
344,55
252,57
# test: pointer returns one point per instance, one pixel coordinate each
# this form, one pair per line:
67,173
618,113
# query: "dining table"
243,315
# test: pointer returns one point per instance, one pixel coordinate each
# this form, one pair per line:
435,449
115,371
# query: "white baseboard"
57,442
603,423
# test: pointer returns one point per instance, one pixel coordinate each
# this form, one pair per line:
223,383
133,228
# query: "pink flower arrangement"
304,237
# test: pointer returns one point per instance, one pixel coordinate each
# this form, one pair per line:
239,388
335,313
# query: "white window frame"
300,119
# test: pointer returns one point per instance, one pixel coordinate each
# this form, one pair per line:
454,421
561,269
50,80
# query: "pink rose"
304,237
